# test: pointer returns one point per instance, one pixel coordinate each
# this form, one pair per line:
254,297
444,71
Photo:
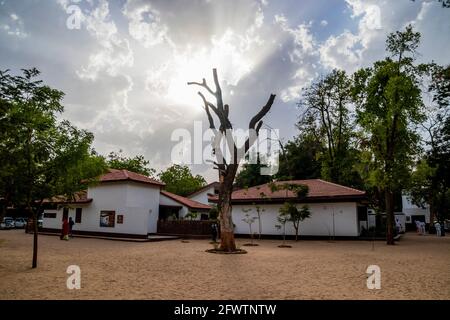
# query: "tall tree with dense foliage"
138,164
327,118
47,157
388,101
431,177
180,180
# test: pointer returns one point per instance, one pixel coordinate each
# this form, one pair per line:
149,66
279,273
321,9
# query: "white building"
336,210
414,213
172,205
202,194
122,204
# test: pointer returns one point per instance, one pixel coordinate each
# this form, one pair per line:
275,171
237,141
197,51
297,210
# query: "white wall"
319,224
202,197
409,209
145,198
137,202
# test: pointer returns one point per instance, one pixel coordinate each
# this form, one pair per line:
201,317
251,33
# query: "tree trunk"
389,199
35,239
259,225
3,211
433,215
227,242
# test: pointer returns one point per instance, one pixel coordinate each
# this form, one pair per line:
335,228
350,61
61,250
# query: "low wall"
97,234
185,227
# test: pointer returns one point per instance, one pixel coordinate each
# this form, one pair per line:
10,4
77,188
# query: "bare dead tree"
227,171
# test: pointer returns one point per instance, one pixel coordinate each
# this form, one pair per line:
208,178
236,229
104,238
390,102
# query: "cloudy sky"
124,70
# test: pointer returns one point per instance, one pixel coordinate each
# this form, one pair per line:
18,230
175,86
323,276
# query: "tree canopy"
180,180
250,175
138,164
388,101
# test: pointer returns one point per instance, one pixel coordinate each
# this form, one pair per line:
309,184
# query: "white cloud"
303,39
235,54
114,52
125,72
14,26
340,52
346,50
145,23
303,54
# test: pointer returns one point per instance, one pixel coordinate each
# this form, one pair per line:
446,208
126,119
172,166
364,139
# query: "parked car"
20,222
7,223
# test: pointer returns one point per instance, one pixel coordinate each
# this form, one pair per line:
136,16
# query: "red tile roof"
125,175
318,190
78,197
191,204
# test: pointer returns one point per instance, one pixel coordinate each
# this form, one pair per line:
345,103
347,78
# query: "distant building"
414,213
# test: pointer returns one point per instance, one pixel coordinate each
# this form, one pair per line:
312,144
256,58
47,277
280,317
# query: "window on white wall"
78,212
50,215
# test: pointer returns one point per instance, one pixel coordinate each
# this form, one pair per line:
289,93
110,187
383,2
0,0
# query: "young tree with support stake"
227,171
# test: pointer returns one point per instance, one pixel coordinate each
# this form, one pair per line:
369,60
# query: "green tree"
300,158
213,213
429,183
137,164
191,215
47,157
293,214
248,219
250,175
326,118
180,180
388,101
282,219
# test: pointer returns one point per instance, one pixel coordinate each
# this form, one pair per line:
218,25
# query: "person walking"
437,226
71,223
214,231
418,226
423,228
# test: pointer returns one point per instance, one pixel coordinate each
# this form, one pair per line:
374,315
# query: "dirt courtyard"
417,268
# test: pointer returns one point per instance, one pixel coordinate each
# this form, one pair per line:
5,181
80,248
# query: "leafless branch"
261,112
256,121
202,84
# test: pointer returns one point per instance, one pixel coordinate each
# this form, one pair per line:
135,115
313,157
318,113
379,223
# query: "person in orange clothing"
65,230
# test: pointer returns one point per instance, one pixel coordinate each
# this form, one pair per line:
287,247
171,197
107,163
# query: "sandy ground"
417,268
